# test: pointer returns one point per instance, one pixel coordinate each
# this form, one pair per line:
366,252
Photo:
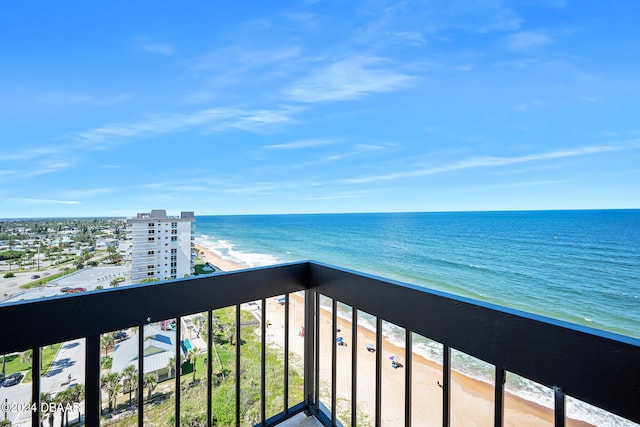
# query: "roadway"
68,363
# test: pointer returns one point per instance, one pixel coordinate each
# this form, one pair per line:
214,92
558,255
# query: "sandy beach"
471,399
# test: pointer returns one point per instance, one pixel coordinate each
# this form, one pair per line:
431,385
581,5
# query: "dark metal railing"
599,368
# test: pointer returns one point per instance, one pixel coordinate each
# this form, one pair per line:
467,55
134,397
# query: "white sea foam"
227,250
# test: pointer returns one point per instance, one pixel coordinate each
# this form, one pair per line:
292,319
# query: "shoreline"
471,398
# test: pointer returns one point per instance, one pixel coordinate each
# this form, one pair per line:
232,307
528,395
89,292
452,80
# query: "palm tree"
192,357
130,377
46,399
111,384
77,396
106,342
172,366
63,399
150,381
26,357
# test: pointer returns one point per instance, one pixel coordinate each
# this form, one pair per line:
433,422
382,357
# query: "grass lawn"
198,268
15,364
41,282
193,395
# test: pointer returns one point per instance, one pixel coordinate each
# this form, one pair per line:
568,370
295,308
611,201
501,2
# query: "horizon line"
341,213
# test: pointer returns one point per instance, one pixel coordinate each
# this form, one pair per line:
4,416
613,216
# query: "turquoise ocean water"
578,266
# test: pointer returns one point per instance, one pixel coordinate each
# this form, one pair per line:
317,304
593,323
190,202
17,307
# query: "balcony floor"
301,420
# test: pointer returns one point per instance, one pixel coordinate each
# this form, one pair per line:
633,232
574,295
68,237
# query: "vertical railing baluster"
498,411
408,340
140,375
378,420
238,342
309,350
209,366
446,385
286,354
92,380
559,407
36,361
316,337
263,362
334,351
178,370
354,367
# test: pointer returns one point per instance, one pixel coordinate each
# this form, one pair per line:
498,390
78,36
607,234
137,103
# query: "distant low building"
159,349
105,243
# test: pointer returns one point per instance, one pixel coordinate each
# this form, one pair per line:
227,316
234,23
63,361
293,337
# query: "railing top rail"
598,367
45,321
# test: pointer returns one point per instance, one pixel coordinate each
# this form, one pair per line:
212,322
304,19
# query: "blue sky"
112,108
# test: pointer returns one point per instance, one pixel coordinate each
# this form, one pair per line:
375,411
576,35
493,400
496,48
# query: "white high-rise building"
161,245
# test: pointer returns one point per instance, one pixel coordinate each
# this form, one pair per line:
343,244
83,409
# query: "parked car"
13,379
35,276
74,290
65,289
120,335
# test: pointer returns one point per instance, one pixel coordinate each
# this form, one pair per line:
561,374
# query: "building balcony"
307,344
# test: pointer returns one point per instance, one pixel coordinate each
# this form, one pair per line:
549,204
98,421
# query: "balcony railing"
596,367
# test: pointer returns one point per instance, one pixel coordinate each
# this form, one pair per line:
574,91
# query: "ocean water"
578,266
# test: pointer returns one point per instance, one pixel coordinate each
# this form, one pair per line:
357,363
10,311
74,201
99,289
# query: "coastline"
471,399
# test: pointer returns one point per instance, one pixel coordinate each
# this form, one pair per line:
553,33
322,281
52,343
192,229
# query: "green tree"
130,380
172,366
192,357
150,382
106,342
47,399
64,398
77,396
112,385
26,357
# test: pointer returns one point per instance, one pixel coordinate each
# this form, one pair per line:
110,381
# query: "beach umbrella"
339,339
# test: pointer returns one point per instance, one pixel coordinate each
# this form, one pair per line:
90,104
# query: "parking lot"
88,278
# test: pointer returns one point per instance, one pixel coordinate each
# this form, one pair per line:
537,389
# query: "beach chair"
370,348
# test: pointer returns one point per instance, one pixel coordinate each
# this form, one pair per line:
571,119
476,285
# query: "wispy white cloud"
464,68
303,143
88,192
97,100
214,119
523,184
159,48
527,40
533,104
407,21
238,59
348,79
342,195
414,38
45,201
487,162
48,166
